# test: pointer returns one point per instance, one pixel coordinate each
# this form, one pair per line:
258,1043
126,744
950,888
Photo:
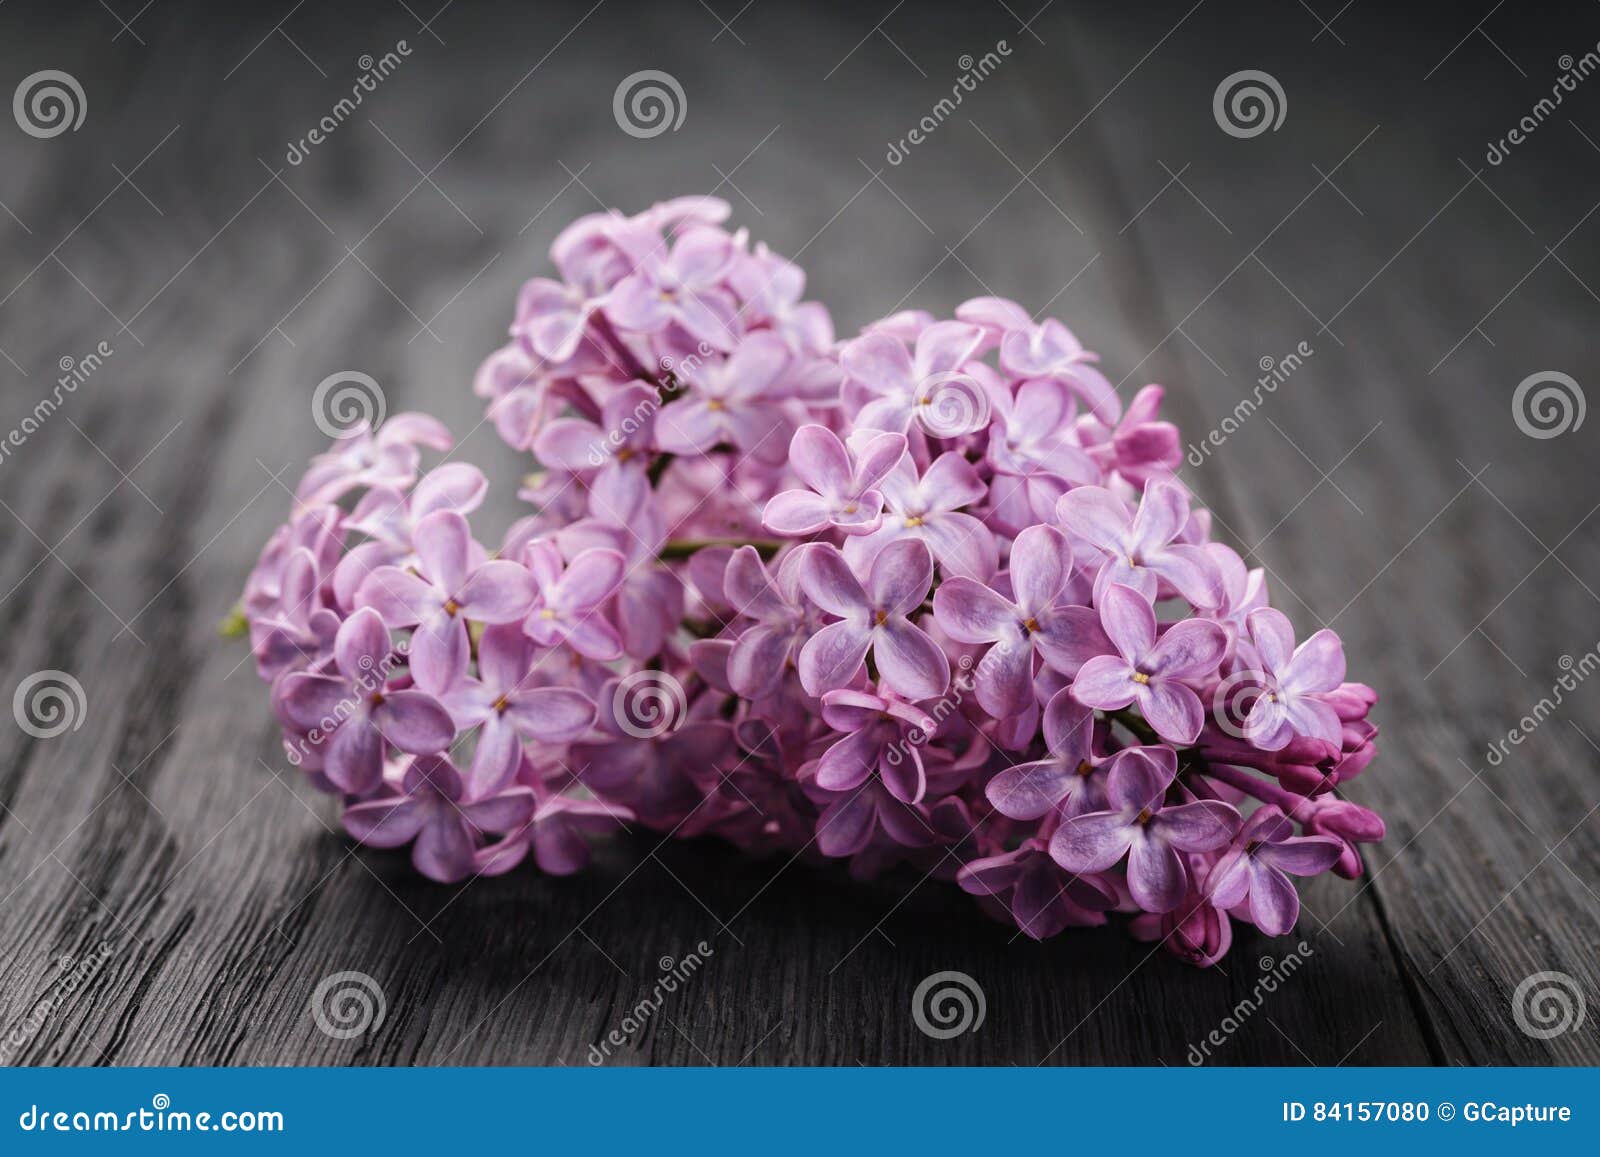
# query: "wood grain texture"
1385,485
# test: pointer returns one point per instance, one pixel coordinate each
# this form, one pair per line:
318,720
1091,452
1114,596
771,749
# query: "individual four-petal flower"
843,486
507,706
1295,681
1148,669
354,713
1036,619
447,588
1140,546
566,605
733,399
1257,869
1140,825
874,617
769,646
1068,779
434,815
929,508
888,387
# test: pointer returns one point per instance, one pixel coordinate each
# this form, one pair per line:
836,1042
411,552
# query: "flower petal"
900,577
591,578
1041,561
443,542
1091,843
1187,650
1161,515
757,661
439,655
385,823
1302,855
909,662
551,714
831,584
354,760
1004,679
970,612
1317,665
1156,875
797,512
1273,638
499,591
845,826
821,461
1129,621
1171,708
1138,778
1274,903
414,722
1105,682
832,656
1029,790
1202,826
1069,637
1095,515
443,850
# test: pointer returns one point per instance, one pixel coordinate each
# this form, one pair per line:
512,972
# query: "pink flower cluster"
931,596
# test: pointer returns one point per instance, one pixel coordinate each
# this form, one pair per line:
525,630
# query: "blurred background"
1399,239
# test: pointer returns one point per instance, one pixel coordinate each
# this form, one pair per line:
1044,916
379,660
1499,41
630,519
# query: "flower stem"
680,548
234,625
632,364
658,467
1263,790
1136,724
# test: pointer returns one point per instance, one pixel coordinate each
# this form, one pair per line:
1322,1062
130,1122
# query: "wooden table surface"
1386,485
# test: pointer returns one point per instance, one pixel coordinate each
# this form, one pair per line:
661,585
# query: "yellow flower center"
1140,677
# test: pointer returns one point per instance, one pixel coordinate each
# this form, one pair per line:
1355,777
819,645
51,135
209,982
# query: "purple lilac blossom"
931,596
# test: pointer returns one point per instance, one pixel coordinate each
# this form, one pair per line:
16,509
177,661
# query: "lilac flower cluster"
931,596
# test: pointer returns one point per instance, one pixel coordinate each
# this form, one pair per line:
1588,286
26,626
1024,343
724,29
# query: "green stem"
234,625
1136,724
681,548
658,468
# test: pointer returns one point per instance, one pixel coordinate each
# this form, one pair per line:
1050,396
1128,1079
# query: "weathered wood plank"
1428,544
219,881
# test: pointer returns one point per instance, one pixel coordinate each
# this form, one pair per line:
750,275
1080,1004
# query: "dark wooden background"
1386,487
